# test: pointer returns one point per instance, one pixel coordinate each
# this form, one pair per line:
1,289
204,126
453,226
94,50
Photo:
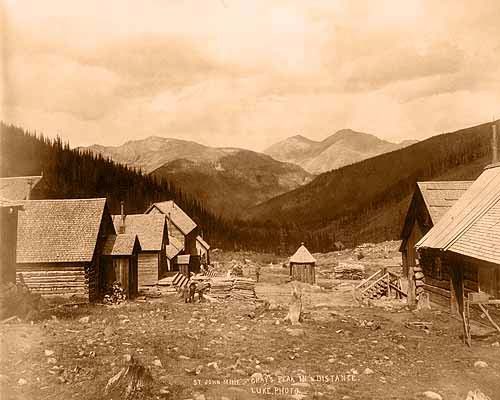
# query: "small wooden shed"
303,266
119,262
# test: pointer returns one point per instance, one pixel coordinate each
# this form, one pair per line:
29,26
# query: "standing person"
257,273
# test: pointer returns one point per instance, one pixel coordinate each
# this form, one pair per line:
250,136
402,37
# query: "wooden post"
453,299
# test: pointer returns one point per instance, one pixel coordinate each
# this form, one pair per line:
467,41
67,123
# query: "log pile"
115,294
220,288
243,289
419,281
349,271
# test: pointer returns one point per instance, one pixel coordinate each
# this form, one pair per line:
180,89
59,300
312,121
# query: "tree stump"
295,308
133,382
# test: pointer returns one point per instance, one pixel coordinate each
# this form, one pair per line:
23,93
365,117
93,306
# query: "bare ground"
238,350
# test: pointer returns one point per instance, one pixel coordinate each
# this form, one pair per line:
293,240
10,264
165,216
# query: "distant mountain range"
227,180
342,148
367,201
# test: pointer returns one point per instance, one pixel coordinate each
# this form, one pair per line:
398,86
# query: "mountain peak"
346,146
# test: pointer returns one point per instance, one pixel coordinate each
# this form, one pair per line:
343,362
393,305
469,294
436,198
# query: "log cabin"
152,232
303,265
461,253
430,201
120,262
59,246
8,239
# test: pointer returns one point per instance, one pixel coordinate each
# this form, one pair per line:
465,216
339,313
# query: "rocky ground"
244,350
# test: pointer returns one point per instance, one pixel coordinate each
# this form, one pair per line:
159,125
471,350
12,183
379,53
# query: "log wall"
58,279
437,280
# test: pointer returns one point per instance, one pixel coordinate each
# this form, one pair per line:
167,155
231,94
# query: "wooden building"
461,253
181,226
203,249
430,201
303,265
8,239
59,246
19,187
120,262
152,232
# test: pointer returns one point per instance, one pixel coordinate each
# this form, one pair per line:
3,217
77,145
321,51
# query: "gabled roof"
440,196
17,188
201,241
149,228
302,256
178,217
121,245
472,226
59,230
174,247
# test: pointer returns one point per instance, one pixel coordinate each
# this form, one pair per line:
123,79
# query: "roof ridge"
67,200
23,176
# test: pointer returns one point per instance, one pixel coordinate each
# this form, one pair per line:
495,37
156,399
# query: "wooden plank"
485,311
437,290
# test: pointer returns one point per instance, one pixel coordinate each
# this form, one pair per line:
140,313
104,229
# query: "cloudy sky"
249,72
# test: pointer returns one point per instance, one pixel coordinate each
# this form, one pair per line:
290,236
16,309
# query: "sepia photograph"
250,200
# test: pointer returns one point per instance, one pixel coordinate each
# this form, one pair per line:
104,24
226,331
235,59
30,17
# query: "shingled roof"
302,256
472,226
59,230
440,196
17,188
174,247
121,245
177,216
149,228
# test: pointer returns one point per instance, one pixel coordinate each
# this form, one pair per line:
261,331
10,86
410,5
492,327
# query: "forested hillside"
71,173
363,202
367,201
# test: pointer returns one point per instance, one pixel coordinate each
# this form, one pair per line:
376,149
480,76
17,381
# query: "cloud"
248,74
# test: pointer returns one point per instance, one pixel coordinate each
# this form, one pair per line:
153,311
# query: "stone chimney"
122,220
494,144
